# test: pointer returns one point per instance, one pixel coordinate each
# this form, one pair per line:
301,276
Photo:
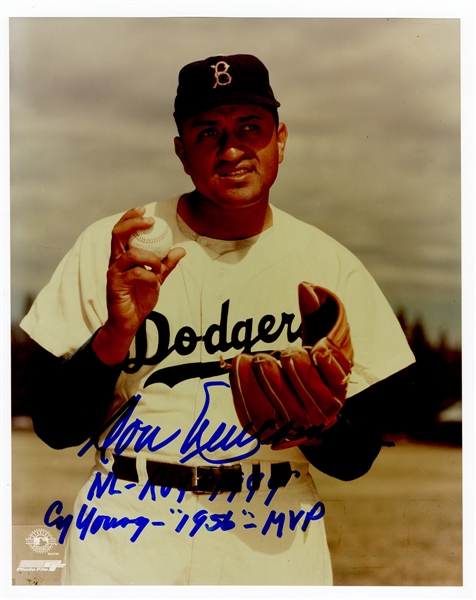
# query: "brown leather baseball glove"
288,398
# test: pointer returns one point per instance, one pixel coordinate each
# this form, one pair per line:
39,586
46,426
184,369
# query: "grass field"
399,525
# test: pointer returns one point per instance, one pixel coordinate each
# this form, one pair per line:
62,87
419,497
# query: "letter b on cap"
222,77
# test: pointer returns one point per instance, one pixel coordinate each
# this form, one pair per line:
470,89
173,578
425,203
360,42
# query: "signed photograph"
236,301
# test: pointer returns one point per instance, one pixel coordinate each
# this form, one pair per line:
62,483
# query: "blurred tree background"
429,411
432,411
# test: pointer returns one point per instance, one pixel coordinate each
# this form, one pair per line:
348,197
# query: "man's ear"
282,136
180,152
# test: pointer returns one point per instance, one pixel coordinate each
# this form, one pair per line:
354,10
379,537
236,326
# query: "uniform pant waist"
200,480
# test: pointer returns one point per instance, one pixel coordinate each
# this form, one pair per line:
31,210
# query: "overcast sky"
373,156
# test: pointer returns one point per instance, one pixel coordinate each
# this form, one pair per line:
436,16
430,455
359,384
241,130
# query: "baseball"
157,239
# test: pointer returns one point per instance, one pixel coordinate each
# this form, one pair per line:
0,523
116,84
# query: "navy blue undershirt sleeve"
69,398
349,447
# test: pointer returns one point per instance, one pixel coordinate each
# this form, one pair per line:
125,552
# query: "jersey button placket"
222,275
214,293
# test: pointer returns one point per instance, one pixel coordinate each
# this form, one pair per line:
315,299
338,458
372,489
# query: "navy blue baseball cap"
220,80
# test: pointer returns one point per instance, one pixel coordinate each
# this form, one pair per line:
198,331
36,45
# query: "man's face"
232,153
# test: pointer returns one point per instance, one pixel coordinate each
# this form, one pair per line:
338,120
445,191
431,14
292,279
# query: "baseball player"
207,382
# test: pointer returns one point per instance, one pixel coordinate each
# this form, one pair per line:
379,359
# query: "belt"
200,480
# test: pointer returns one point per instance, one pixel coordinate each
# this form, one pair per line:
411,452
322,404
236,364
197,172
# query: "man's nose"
231,148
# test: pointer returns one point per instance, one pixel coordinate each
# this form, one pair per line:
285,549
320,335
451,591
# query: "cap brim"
185,112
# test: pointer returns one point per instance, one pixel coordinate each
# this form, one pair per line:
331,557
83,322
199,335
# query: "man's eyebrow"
202,122
251,117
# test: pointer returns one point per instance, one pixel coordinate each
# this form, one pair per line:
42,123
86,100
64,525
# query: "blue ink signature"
198,441
193,440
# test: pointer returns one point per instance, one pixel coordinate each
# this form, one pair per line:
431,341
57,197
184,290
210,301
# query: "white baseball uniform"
222,299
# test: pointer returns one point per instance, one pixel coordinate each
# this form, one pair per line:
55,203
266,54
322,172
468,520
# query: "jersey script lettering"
219,337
